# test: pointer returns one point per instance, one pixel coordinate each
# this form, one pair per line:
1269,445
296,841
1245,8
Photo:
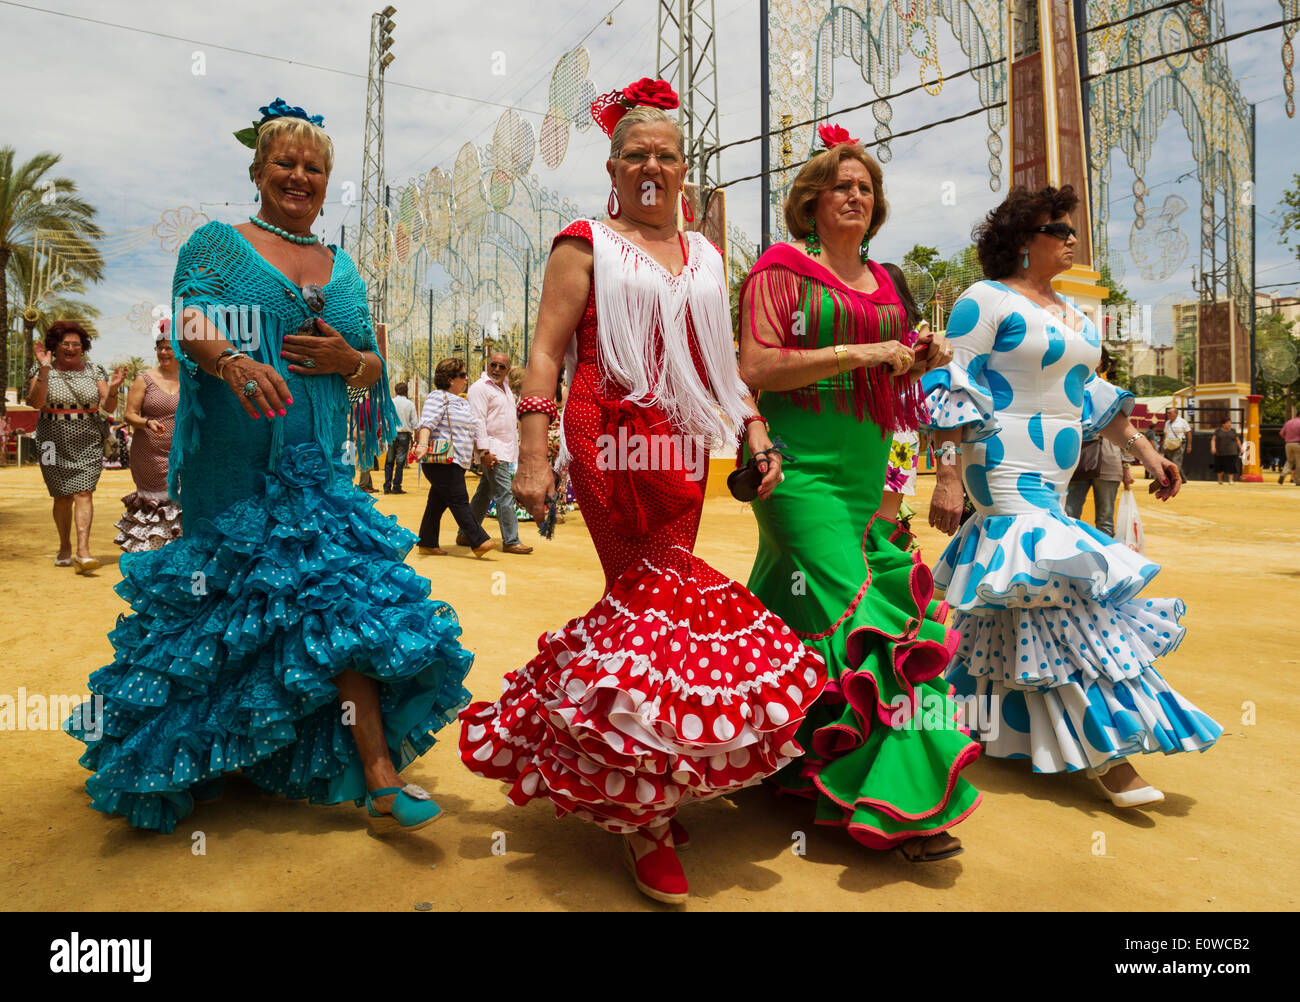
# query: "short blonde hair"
643,115
819,175
291,128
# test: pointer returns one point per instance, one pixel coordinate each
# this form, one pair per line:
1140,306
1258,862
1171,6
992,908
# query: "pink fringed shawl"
796,297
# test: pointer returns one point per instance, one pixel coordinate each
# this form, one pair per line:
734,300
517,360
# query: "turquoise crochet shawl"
254,306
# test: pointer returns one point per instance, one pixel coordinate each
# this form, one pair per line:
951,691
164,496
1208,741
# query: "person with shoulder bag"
445,450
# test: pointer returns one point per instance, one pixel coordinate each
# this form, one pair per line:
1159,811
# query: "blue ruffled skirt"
238,629
1056,661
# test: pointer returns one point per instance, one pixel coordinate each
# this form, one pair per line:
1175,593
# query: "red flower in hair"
653,93
834,135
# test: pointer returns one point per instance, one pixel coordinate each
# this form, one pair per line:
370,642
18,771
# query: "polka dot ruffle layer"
678,684
240,626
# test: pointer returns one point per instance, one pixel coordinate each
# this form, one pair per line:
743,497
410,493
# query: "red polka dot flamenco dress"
678,684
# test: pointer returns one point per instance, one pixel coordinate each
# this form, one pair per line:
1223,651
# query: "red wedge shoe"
658,874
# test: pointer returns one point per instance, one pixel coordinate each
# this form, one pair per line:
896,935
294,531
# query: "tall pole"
1254,197
429,370
765,127
528,267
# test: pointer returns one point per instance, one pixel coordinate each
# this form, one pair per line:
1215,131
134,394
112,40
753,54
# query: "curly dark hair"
61,329
447,370
1000,238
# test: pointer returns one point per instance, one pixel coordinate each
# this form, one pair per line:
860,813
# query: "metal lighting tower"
372,240
687,58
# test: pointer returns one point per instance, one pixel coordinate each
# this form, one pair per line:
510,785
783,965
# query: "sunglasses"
314,297
497,365
1062,231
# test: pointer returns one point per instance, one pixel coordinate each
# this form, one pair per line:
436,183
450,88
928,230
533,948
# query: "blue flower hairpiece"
279,108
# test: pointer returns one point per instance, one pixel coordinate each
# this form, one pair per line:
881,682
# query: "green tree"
1290,206
35,208
1277,367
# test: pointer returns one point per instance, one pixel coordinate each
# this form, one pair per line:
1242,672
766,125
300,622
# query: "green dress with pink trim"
885,746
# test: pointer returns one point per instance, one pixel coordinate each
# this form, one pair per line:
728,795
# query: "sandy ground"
1223,840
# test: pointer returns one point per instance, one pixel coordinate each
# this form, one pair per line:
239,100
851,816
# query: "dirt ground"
1223,840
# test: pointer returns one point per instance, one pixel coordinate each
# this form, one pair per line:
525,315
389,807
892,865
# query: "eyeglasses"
1062,231
637,159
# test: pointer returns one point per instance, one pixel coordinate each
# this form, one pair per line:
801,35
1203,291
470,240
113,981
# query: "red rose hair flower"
607,109
834,135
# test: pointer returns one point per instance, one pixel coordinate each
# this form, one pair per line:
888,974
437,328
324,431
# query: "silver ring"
307,364
250,388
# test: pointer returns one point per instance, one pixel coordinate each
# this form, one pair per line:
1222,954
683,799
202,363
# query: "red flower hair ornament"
834,135
607,109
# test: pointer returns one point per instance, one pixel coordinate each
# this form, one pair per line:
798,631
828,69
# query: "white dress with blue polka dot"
1057,647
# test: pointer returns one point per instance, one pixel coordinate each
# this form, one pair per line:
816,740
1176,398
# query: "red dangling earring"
687,214
611,205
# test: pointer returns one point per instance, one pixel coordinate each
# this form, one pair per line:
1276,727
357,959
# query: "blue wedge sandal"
413,809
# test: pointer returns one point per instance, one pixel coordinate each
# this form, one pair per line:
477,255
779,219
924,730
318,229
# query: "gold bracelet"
841,357
360,369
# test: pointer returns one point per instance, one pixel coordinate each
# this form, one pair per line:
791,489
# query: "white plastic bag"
1128,523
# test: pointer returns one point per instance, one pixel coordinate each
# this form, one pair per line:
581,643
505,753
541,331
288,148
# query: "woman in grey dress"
70,393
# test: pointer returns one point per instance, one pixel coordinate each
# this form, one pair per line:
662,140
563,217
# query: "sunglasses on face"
1062,231
497,365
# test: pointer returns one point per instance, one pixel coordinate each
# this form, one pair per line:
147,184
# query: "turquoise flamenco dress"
284,577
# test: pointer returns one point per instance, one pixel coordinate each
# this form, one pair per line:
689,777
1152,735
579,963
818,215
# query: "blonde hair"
819,175
291,128
643,115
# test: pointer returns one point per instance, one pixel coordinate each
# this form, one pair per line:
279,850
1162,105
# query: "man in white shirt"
400,447
497,438
1177,432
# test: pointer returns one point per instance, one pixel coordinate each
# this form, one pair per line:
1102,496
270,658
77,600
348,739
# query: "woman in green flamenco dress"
822,334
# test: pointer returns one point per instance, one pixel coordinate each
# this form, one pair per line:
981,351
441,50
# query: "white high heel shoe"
1141,797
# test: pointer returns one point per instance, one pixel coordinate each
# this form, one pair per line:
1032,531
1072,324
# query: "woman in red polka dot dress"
678,684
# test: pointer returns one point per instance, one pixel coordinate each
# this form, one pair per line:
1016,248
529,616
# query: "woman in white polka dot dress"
1057,655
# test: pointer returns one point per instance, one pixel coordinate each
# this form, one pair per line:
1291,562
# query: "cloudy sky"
144,132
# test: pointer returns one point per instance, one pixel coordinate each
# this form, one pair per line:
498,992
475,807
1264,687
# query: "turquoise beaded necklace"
270,228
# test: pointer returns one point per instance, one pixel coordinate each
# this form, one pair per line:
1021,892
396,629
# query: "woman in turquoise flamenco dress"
282,635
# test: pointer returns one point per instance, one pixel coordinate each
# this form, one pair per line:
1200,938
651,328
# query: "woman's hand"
947,504
898,357
1164,471
328,352
940,353
532,485
272,394
421,450
43,357
155,426
118,377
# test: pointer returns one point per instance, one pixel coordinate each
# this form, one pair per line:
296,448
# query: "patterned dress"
70,447
678,684
285,576
152,519
885,747
1058,645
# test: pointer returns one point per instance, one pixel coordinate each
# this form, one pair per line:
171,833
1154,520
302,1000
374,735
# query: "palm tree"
34,204
47,308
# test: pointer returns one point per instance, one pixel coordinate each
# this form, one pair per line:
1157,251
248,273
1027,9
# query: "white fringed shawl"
634,294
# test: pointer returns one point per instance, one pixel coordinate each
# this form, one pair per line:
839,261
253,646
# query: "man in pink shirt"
497,438
1291,436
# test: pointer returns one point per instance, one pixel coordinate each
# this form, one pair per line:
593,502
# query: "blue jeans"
494,485
1103,498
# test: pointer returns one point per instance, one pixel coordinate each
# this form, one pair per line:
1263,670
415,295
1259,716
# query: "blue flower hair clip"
278,108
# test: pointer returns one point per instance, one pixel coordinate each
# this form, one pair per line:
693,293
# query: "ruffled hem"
677,685
1082,723
239,629
963,405
886,744
149,522
1040,559
1102,403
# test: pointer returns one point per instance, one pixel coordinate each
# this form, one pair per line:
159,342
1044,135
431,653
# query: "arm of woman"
134,401
565,289
203,344
766,365
949,497
1121,430
331,353
38,387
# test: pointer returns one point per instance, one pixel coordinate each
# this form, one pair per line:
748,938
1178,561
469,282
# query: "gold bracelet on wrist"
842,357
359,370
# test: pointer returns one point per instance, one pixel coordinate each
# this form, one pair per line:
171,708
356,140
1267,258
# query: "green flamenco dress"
885,749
